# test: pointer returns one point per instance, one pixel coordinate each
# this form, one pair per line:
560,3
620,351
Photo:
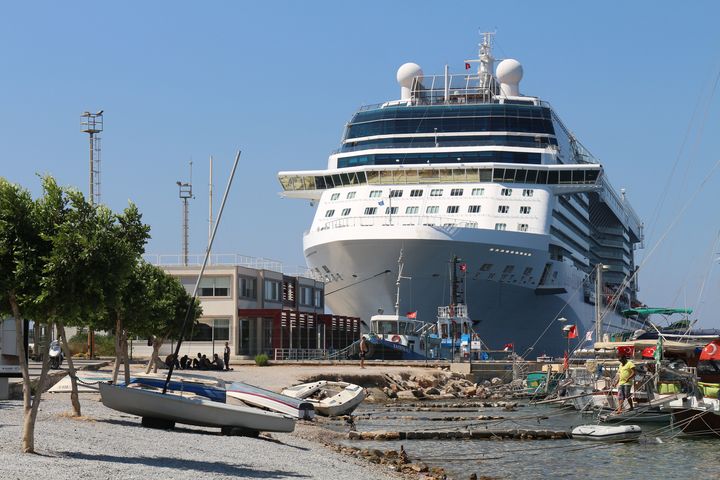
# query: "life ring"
395,338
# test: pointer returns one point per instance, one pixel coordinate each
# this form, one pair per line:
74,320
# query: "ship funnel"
509,73
405,76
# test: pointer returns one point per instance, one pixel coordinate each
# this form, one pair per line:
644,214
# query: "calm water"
675,457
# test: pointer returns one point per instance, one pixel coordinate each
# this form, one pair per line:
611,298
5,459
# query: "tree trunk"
28,441
74,397
155,357
20,345
118,348
126,358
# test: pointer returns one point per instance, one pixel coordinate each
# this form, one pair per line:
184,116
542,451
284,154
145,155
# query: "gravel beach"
106,444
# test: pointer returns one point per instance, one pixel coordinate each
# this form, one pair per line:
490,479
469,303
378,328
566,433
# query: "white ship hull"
510,308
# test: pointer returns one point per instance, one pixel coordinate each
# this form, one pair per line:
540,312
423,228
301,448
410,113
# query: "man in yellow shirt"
626,374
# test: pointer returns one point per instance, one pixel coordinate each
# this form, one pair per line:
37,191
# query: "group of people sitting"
201,362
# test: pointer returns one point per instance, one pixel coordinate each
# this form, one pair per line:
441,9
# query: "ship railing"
452,311
397,221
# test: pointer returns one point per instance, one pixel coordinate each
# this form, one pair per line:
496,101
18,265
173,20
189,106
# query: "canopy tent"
633,312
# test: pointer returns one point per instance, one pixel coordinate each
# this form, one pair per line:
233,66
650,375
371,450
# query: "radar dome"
509,73
405,75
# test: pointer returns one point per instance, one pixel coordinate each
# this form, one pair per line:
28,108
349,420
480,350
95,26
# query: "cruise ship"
465,165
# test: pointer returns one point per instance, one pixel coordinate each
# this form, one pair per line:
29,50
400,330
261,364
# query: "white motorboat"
267,399
158,409
696,416
329,398
605,433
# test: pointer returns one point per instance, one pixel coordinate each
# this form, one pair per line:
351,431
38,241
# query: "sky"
180,81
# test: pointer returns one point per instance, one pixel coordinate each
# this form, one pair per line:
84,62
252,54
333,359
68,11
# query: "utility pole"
185,193
210,204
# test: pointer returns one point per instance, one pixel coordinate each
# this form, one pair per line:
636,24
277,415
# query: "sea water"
660,453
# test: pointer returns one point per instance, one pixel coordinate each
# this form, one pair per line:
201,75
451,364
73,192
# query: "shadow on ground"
183,464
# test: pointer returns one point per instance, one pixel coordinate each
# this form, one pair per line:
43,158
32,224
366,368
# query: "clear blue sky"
180,81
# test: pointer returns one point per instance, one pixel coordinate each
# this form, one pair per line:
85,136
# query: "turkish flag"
463,267
508,347
467,66
649,352
626,351
411,314
711,351
572,332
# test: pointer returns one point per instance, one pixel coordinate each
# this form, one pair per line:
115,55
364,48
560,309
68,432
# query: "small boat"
204,386
267,399
329,398
164,410
695,416
605,433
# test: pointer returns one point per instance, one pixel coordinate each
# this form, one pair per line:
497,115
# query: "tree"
23,248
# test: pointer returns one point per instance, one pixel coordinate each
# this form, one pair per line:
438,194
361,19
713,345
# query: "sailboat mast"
397,284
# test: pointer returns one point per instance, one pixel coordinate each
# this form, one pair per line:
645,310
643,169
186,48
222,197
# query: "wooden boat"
329,398
267,399
164,410
605,433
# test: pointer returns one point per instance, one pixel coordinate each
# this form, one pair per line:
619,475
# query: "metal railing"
397,221
227,260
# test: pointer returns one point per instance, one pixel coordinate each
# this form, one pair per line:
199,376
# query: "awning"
632,312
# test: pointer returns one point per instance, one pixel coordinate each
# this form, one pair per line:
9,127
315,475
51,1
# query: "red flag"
467,66
463,267
508,347
572,332
649,352
626,351
566,361
711,351
411,314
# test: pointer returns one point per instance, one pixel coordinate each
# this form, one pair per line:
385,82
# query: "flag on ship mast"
467,66
411,315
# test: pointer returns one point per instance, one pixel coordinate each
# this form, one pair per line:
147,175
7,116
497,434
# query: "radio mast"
92,124
185,193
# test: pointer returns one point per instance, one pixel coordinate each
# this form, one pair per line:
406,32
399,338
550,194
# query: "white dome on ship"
405,75
509,73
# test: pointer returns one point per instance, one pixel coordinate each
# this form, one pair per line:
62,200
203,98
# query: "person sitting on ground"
205,363
196,361
626,374
217,363
184,362
171,361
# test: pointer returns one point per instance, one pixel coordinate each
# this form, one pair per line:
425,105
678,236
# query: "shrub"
104,344
261,360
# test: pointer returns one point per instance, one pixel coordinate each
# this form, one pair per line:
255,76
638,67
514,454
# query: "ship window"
471,224
506,192
436,192
334,196
503,208
370,210
474,209
375,193
476,192
391,210
522,227
456,192
500,226
396,193
453,209
527,192
508,269
432,209
329,213
411,210
552,177
524,210
350,195
416,193
345,212
485,267
527,271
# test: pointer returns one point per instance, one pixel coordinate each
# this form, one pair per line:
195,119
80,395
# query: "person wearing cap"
626,373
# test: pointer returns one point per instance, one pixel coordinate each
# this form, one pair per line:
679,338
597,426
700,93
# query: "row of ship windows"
524,210
435,192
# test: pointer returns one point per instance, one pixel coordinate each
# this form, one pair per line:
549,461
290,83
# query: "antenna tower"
92,124
185,195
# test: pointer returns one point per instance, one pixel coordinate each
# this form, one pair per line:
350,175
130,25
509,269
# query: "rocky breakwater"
443,385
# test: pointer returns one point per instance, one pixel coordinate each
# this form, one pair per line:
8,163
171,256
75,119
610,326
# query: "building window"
506,192
350,195
211,329
370,210
329,213
432,209
456,192
345,212
318,298
453,209
272,290
500,226
416,193
411,210
306,296
474,209
503,209
214,286
391,210
528,192
436,192
477,192
375,193
248,287
396,193
334,196
525,210
522,227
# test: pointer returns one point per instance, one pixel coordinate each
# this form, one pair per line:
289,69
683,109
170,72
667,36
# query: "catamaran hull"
191,411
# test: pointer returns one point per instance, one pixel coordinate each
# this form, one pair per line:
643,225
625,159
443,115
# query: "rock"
496,381
419,467
418,393
405,395
432,391
470,391
376,453
394,387
389,392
